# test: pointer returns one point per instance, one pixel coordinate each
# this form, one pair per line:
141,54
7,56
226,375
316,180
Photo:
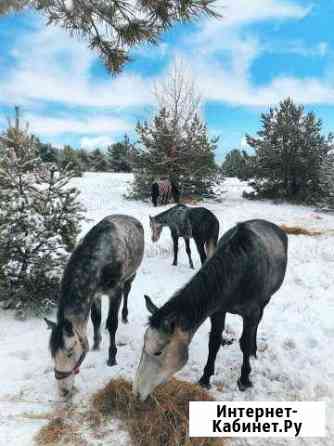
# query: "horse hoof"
227,341
125,320
204,383
111,362
244,386
96,347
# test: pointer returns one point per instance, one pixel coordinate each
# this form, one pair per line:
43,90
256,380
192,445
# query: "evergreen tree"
120,155
71,159
290,150
85,160
327,179
238,164
186,157
47,153
98,161
39,223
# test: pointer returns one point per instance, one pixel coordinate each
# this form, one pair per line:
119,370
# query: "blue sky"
260,52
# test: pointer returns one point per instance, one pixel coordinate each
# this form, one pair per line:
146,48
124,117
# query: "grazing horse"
197,223
164,189
104,262
247,268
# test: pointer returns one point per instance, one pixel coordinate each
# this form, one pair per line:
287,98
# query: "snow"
296,336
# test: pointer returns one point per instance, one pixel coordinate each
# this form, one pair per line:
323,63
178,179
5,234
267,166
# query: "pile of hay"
58,431
162,420
299,230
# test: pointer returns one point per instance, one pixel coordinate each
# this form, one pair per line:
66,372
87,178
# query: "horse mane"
56,339
164,213
195,301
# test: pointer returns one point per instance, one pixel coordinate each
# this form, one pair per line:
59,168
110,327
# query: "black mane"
56,339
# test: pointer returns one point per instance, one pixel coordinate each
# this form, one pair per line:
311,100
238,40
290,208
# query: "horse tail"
155,194
211,244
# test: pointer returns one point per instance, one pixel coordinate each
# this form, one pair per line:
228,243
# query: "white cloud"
99,141
66,124
52,66
239,12
226,50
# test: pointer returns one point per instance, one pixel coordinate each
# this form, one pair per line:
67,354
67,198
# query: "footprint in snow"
24,355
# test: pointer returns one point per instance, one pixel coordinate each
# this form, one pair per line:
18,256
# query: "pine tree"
113,27
39,222
120,155
290,150
186,157
327,179
71,160
99,162
239,164
85,160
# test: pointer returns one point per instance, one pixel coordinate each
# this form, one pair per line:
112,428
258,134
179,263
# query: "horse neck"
167,218
74,305
209,291
163,218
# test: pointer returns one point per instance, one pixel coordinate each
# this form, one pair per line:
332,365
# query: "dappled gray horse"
197,223
104,262
247,268
162,190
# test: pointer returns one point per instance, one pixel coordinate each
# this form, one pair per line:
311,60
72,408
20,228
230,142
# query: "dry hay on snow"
299,230
162,420
59,431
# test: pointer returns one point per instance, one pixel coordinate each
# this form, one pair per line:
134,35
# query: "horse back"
257,250
109,254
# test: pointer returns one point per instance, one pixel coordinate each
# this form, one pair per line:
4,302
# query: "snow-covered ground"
296,336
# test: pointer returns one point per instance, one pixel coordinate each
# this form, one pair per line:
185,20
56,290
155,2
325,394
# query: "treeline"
118,157
291,159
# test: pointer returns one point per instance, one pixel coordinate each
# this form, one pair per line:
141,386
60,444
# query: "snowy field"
296,335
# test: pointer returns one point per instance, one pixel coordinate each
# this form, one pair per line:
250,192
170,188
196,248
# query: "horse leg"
215,340
112,324
96,319
176,247
126,291
187,242
253,341
248,347
200,249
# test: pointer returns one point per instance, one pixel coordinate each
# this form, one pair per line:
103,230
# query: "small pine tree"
120,155
290,150
238,164
186,157
71,159
98,161
39,222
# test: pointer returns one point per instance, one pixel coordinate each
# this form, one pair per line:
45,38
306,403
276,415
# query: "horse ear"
50,324
68,327
150,305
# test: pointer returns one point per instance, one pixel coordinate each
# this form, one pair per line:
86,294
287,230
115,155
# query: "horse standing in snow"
164,189
197,223
104,262
247,268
